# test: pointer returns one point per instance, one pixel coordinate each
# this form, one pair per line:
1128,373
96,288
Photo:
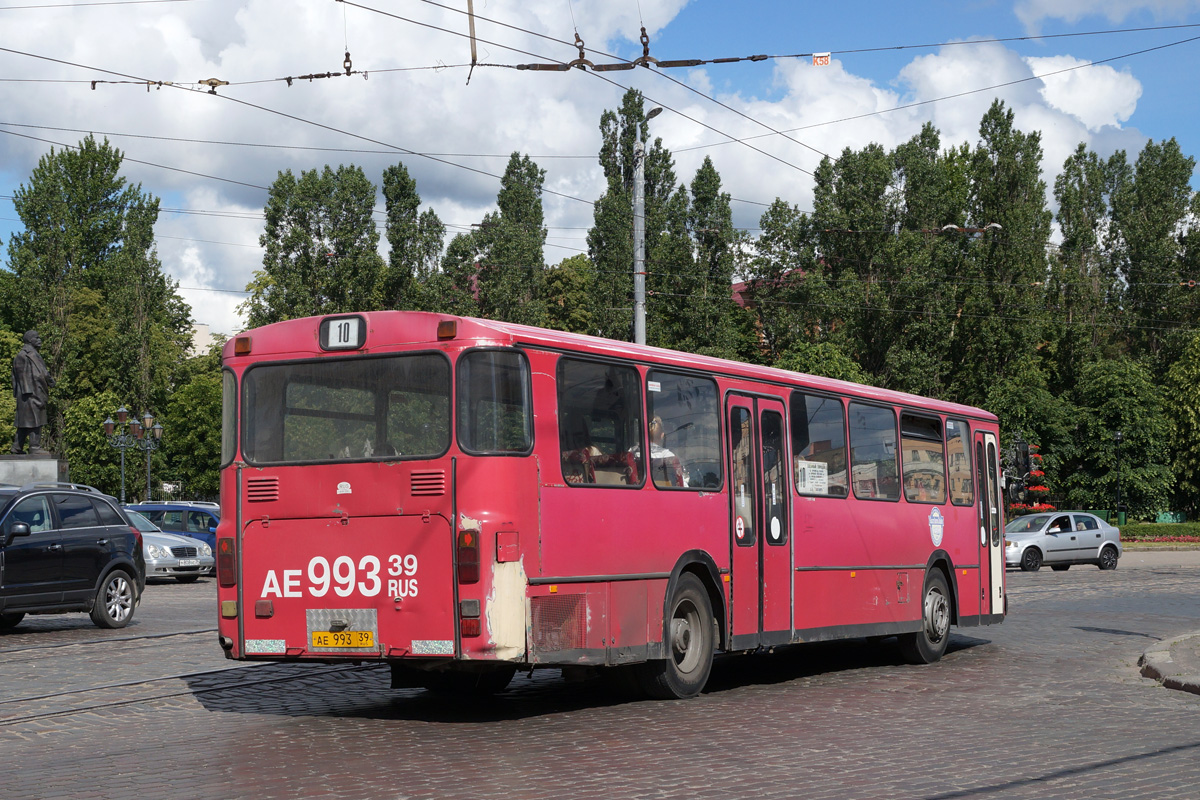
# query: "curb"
1157,663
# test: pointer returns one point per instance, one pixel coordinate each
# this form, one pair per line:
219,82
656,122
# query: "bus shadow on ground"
364,692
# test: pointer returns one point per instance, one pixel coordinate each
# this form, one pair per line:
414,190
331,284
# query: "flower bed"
1182,532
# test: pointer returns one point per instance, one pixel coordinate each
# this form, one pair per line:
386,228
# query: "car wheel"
187,578
929,644
10,621
690,643
1060,567
1108,558
1031,559
115,601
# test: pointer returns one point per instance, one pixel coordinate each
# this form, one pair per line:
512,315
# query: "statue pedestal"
20,470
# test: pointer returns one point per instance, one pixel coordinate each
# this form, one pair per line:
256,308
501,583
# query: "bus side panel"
628,634
628,532
837,541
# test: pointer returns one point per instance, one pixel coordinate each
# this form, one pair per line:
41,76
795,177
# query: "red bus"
461,498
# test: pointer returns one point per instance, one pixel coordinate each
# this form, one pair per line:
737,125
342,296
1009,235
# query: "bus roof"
298,338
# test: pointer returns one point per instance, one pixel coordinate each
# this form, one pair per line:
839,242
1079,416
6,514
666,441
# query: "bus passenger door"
991,538
761,585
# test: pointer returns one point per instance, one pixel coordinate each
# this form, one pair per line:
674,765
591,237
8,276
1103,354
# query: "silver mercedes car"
169,555
1060,539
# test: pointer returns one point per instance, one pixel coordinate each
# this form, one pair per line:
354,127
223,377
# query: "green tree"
1149,206
510,244
1182,410
321,248
569,287
86,275
1002,297
192,443
414,241
1119,395
610,240
1082,293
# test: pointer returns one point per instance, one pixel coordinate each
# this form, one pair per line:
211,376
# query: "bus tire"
690,644
929,644
115,600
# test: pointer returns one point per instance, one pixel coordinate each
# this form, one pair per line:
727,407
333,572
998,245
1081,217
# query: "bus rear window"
360,409
494,410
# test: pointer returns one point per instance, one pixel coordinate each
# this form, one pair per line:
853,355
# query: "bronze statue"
31,388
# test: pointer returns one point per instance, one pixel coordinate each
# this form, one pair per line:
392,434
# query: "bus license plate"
343,639
189,562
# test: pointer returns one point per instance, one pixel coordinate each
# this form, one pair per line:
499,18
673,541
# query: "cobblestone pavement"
1048,705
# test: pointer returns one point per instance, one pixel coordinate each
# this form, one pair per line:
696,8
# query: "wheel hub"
937,616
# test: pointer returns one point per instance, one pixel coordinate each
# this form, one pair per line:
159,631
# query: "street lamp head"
122,415
135,428
993,226
652,113
158,429
1117,437
147,420
108,426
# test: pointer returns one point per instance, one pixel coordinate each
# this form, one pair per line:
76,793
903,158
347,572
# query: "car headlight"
158,552
205,550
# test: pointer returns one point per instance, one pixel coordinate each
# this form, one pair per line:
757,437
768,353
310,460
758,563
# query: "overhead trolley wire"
601,77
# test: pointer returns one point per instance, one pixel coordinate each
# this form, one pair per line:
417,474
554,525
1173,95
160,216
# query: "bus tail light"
226,562
447,329
468,556
468,623
241,346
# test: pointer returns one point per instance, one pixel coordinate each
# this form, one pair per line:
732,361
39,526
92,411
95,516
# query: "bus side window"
819,444
599,424
873,456
685,439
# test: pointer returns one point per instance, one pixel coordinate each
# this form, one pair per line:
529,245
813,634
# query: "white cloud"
1096,95
500,111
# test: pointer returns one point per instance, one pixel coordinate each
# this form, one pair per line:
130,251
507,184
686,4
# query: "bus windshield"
360,409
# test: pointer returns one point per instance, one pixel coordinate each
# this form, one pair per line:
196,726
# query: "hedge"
1161,532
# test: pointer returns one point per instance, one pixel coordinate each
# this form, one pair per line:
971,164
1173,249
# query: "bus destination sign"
343,333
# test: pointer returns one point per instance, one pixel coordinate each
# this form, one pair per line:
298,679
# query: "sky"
1075,70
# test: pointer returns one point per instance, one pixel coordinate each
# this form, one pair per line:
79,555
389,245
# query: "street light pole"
125,433
639,233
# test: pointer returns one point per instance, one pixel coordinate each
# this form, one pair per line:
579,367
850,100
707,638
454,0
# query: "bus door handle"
102,541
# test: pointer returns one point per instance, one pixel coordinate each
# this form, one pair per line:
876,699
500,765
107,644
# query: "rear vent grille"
262,489
558,622
428,482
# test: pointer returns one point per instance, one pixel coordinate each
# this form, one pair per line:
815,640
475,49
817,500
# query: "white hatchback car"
1060,539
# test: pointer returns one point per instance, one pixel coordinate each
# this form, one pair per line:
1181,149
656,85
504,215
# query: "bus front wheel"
929,644
689,644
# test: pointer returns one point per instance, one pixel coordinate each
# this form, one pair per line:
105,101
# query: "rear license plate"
341,639
189,562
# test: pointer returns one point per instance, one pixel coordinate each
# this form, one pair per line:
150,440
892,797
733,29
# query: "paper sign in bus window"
812,477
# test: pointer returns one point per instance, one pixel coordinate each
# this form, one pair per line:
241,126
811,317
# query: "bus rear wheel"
929,644
690,642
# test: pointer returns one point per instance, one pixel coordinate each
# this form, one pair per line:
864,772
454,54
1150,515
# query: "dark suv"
67,547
